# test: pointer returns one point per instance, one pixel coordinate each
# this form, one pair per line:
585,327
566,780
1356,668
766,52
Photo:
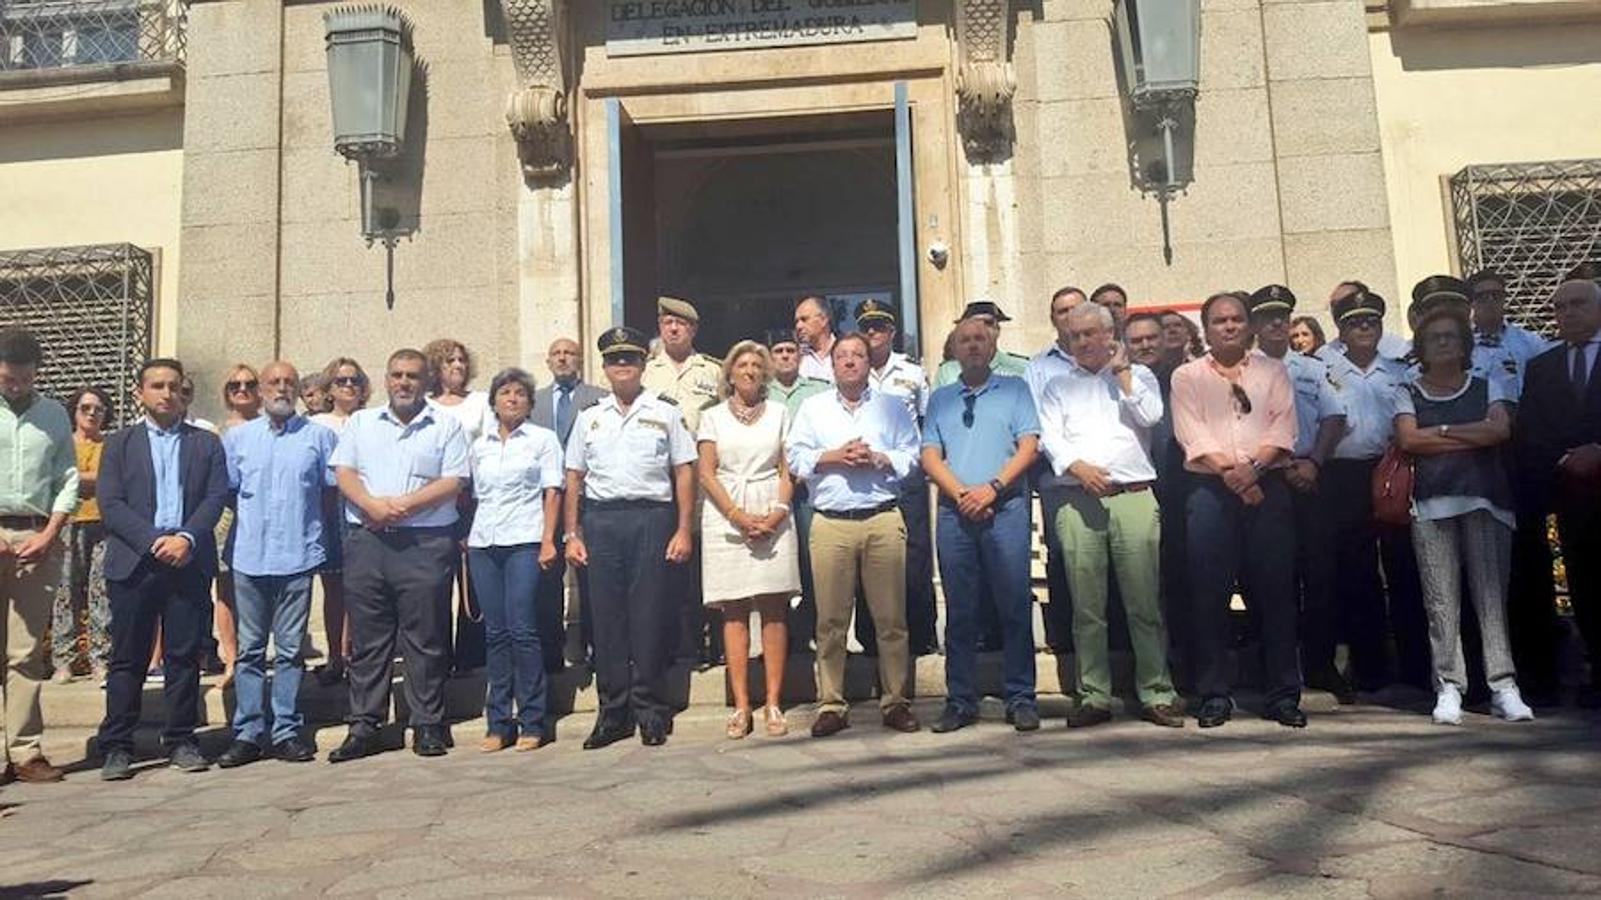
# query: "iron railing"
91,308
1532,222
43,35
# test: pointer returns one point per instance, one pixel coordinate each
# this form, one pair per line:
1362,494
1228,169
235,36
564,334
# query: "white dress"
747,467
473,412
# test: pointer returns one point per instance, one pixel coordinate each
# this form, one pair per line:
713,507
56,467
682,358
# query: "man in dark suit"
556,406
162,487
1558,443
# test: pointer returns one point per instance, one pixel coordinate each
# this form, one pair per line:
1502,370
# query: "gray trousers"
1483,546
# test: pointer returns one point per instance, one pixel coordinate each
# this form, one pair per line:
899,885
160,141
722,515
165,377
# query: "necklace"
743,414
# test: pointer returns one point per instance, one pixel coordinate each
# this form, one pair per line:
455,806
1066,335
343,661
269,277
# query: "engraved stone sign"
641,27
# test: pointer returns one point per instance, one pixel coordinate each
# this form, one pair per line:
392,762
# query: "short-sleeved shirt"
510,478
1369,396
978,447
797,391
900,377
1446,485
1208,417
825,422
630,454
279,477
395,458
817,365
1004,363
693,385
88,455
1317,397
472,412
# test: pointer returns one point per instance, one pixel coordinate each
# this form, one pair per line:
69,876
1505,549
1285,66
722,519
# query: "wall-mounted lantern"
369,83
1160,45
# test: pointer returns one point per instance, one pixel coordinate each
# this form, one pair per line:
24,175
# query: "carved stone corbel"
537,114
985,82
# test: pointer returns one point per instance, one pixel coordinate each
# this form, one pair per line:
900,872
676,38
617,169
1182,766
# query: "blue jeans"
506,580
273,606
972,554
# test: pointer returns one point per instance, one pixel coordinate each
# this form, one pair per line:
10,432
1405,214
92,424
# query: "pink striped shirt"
1207,417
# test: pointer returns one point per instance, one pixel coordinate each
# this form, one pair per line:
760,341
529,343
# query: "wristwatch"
1445,430
996,486
567,536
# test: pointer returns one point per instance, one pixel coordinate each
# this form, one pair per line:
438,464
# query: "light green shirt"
38,463
796,393
1004,363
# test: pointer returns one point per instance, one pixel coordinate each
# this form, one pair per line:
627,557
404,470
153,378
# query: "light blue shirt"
510,478
824,423
394,459
977,448
1369,396
164,459
1317,397
1042,367
630,454
278,478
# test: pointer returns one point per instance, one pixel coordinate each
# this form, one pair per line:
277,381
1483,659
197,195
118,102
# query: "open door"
906,223
633,238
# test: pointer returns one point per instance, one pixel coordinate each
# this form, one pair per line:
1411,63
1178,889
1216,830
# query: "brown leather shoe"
828,723
1085,716
38,771
902,719
1167,715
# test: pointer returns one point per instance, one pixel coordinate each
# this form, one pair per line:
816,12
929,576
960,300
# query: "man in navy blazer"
163,484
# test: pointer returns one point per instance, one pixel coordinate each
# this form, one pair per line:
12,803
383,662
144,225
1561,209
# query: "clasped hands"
172,549
382,512
757,528
856,454
1241,478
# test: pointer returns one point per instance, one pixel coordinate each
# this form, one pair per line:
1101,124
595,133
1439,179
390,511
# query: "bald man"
279,474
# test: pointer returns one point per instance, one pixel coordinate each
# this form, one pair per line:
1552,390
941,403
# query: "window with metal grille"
91,309
63,34
1532,222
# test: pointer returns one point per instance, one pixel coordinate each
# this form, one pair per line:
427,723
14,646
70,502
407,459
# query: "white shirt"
1042,367
472,412
331,421
510,478
904,379
1391,346
1369,404
817,365
823,423
1086,416
1589,349
630,454
1317,397
394,459
1523,343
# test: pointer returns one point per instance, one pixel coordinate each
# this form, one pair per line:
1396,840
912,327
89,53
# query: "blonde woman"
241,396
749,555
348,391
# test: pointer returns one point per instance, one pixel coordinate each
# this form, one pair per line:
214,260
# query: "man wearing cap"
1055,359
789,387
1487,292
1320,423
630,497
1391,346
1368,381
1004,363
853,446
814,326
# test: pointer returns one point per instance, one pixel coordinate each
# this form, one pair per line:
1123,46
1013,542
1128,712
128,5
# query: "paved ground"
1368,801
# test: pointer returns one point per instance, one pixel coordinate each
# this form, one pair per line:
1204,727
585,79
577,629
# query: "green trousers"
1122,532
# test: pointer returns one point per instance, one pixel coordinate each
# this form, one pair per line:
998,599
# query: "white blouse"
510,478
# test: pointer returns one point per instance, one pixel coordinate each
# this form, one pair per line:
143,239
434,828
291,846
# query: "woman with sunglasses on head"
241,396
348,391
82,595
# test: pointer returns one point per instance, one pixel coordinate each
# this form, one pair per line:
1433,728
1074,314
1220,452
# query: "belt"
405,529
606,505
23,523
857,515
1130,488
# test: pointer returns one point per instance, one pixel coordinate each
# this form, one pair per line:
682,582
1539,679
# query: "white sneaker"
1508,704
1448,706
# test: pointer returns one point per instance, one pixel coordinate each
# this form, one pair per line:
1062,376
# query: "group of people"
787,486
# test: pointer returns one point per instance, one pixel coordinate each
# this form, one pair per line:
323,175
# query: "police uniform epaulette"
666,399
1017,356
706,357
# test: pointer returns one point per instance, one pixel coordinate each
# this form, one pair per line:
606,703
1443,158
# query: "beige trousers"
28,591
874,549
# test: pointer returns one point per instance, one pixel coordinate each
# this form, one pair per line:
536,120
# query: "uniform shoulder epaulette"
708,358
666,399
1017,356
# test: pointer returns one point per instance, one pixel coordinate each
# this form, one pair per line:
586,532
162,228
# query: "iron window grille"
77,34
91,309
1532,222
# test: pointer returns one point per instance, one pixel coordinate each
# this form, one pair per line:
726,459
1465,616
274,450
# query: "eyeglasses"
235,387
1242,400
967,414
1489,295
348,381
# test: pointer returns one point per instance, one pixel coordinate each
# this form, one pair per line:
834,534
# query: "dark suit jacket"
543,414
127,492
1551,421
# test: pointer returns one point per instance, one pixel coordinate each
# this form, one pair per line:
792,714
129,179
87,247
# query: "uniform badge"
1511,365
654,423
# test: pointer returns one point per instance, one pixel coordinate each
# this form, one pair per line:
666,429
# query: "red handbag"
1392,488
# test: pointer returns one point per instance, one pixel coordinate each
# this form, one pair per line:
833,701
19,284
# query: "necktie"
1581,372
564,411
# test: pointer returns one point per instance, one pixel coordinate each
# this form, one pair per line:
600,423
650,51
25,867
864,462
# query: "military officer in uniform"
892,373
789,387
1004,363
630,498
1320,423
690,380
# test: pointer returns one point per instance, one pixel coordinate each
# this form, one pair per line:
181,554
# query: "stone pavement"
1367,801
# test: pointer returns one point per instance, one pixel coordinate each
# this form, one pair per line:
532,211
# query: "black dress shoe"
1086,716
1287,714
294,750
953,719
357,745
429,740
1332,681
1024,718
652,734
239,753
1214,711
604,736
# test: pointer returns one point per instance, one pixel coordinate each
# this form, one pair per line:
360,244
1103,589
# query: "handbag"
1392,487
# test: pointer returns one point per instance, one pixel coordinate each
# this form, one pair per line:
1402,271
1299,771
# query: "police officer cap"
622,339
1358,303
1437,290
984,308
1272,298
874,309
776,336
673,306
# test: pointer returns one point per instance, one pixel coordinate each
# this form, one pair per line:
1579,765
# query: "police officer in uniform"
630,498
1004,363
690,380
1320,423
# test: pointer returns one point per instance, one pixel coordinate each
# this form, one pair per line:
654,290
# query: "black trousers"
803,616
631,593
922,614
1172,497
550,605
397,590
1314,579
1058,613
1376,579
1253,547
180,601
1579,527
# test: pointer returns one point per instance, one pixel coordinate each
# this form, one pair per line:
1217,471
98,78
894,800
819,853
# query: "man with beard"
278,469
400,468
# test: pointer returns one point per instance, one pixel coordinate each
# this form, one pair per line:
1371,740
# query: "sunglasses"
94,409
236,387
967,413
348,381
1242,400
876,325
